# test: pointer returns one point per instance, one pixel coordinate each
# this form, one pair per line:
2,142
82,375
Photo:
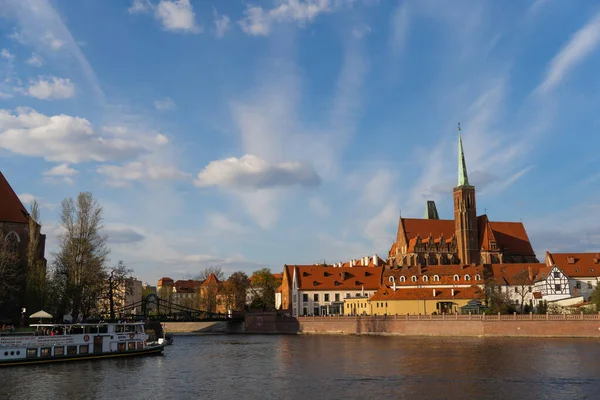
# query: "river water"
326,367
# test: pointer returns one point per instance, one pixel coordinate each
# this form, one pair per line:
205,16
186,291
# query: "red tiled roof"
387,293
325,277
424,227
211,279
512,235
11,208
577,264
165,281
444,272
187,286
516,274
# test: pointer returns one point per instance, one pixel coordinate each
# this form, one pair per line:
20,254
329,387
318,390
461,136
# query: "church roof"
512,236
463,179
11,208
423,227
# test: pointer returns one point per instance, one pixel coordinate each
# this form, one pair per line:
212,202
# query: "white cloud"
165,104
361,31
27,199
52,42
582,43
222,24
317,206
139,171
123,234
139,6
62,138
161,139
35,60
258,21
379,229
53,88
252,173
177,15
61,170
222,223
400,26
7,55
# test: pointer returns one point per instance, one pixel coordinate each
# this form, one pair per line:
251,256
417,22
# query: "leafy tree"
10,273
79,264
237,287
263,286
35,280
595,298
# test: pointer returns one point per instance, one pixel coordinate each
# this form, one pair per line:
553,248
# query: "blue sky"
256,133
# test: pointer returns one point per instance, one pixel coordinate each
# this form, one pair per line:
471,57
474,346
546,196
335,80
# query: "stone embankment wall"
218,327
461,325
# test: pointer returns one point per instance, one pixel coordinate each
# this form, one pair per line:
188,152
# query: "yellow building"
424,301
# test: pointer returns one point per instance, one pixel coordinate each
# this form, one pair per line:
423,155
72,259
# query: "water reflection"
299,367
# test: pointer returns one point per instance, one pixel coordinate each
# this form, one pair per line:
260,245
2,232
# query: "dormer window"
425,278
414,278
436,278
477,277
467,277
456,278
493,246
402,279
571,260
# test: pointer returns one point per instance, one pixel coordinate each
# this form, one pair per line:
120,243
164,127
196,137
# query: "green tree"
79,265
237,287
595,298
35,280
10,274
263,285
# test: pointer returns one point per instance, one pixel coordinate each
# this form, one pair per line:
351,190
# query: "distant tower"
431,210
465,212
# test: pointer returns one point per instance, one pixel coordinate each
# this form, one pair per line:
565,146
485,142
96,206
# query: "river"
326,367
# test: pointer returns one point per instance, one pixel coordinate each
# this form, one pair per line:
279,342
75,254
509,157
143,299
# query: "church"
466,239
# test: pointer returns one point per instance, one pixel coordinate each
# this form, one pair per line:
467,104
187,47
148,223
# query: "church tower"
465,212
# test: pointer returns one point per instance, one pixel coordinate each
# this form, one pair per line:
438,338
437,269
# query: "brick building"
14,229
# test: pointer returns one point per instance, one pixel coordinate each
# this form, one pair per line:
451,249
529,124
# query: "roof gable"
576,264
11,208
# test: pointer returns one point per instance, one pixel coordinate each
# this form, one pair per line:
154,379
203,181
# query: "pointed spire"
463,179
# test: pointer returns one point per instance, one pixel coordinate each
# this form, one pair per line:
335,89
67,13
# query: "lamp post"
110,296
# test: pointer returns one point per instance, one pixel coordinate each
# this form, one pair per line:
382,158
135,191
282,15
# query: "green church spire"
463,179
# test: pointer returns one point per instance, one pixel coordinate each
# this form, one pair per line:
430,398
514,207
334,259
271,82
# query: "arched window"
392,279
12,242
477,277
467,277
436,278
425,278
456,277
414,278
402,279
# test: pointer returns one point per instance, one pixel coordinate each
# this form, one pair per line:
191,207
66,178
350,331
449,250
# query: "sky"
250,134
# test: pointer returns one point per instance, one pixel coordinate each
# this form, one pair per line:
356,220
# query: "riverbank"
575,326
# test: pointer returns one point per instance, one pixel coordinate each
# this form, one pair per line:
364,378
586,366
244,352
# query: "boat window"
45,352
103,329
84,349
77,330
59,351
6,353
131,346
31,353
71,350
140,345
91,329
121,346
129,328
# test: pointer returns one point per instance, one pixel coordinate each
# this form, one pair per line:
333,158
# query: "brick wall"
392,325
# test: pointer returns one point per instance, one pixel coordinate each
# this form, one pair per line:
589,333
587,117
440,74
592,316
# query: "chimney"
352,262
375,260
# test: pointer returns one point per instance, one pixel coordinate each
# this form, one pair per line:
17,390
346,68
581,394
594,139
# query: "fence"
450,317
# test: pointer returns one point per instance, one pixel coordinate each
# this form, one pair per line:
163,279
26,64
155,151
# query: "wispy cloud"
581,45
165,104
174,15
222,24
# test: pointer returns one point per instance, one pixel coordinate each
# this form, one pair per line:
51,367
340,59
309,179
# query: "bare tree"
205,273
35,280
118,285
80,270
10,271
522,286
497,300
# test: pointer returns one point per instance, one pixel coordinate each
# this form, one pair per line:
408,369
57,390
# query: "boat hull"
148,351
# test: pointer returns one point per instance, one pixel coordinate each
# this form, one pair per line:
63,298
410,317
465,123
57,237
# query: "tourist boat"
69,342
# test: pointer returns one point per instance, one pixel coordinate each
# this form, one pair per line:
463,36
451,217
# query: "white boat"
69,342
